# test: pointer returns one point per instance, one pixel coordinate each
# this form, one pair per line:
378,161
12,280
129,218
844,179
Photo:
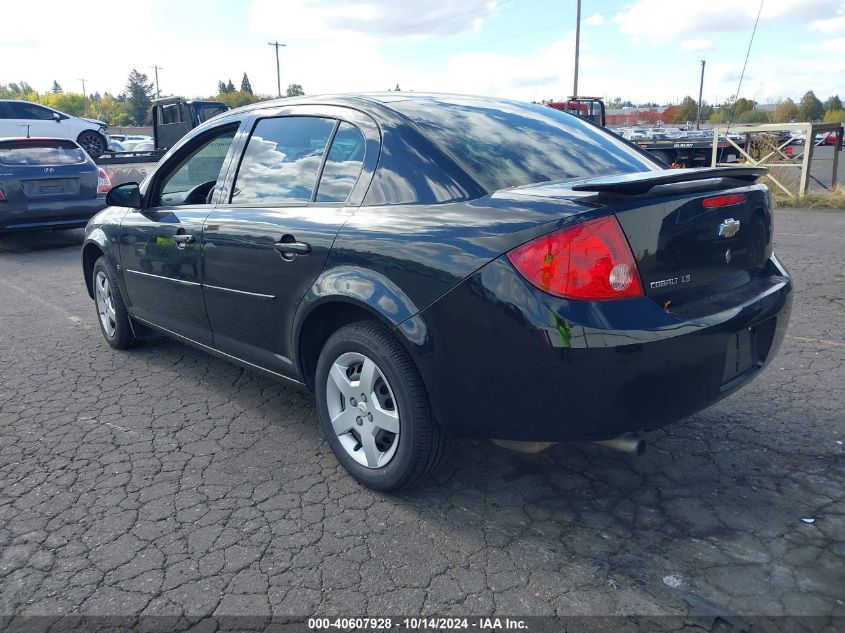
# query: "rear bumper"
501,359
54,214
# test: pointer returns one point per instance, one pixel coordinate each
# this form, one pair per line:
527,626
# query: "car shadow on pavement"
29,241
713,509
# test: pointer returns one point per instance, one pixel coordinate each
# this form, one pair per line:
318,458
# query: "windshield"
505,144
51,152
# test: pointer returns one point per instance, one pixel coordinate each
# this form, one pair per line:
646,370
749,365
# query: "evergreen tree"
245,85
57,88
221,87
230,87
139,97
834,103
810,108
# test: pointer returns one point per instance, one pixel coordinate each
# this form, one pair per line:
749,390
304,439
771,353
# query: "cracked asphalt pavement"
164,481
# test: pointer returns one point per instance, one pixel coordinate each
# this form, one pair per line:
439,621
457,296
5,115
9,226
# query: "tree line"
809,108
133,106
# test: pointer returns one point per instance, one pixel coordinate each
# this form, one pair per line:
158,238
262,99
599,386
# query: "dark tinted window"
281,161
30,111
503,144
41,153
343,165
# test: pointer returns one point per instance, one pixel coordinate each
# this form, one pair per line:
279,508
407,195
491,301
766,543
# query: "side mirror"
57,117
126,195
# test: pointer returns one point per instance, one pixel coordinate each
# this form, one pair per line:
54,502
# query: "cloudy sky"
639,49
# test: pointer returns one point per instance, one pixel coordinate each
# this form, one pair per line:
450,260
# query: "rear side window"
54,152
281,161
505,144
343,165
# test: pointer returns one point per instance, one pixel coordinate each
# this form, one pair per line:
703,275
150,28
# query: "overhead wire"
742,75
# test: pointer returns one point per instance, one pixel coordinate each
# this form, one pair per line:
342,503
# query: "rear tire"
374,408
111,310
93,143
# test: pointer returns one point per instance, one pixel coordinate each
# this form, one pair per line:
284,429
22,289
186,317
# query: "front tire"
374,408
93,143
111,310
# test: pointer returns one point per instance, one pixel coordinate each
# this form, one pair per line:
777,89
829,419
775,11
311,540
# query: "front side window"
281,161
343,165
198,171
30,111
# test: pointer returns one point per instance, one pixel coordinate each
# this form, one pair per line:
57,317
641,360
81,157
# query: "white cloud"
597,19
662,20
382,18
697,45
836,45
828,25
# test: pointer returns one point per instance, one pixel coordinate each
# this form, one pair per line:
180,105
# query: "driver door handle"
292,248
184,239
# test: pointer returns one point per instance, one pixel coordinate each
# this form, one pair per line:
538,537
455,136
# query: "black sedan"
434,266
48,183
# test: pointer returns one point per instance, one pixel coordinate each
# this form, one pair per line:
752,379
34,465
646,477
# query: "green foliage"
245,85
785,112
230,87
111,110
833,103
753,116
294,90
67,102
139,97
238,98
810,108
834,116
687,111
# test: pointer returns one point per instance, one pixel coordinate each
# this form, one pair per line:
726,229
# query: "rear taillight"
103,182
590,261
724,201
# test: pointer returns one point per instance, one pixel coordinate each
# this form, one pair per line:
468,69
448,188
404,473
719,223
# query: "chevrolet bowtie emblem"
729,228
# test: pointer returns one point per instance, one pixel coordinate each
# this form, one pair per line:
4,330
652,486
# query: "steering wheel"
201,193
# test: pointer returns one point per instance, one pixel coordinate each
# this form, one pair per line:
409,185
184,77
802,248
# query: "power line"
742,75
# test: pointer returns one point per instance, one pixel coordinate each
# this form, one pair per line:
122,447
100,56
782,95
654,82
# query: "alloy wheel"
363,410
105,303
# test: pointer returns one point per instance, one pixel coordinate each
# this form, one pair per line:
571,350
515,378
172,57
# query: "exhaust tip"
629,443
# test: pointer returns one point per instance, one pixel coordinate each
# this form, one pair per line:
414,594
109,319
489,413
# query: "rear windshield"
40,153
504,144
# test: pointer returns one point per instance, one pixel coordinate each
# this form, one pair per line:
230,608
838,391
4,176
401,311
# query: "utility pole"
278,74
700,92
577,47
84,98
157,68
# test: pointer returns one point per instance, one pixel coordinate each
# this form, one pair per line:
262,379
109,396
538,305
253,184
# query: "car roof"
37,138
373,101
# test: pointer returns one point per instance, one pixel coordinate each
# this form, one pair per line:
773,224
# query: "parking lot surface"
164,481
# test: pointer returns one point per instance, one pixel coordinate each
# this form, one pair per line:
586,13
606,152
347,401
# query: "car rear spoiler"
640,183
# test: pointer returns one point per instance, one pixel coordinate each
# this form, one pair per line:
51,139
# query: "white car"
24,118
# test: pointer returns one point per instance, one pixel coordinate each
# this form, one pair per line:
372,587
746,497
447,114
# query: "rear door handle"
290,249
184,239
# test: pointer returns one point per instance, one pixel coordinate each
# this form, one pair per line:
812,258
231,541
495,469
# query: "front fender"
102,234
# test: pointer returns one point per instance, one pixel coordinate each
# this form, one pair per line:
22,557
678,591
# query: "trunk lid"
693,232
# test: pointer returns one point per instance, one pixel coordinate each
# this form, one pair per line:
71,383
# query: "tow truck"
173,117
680,152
